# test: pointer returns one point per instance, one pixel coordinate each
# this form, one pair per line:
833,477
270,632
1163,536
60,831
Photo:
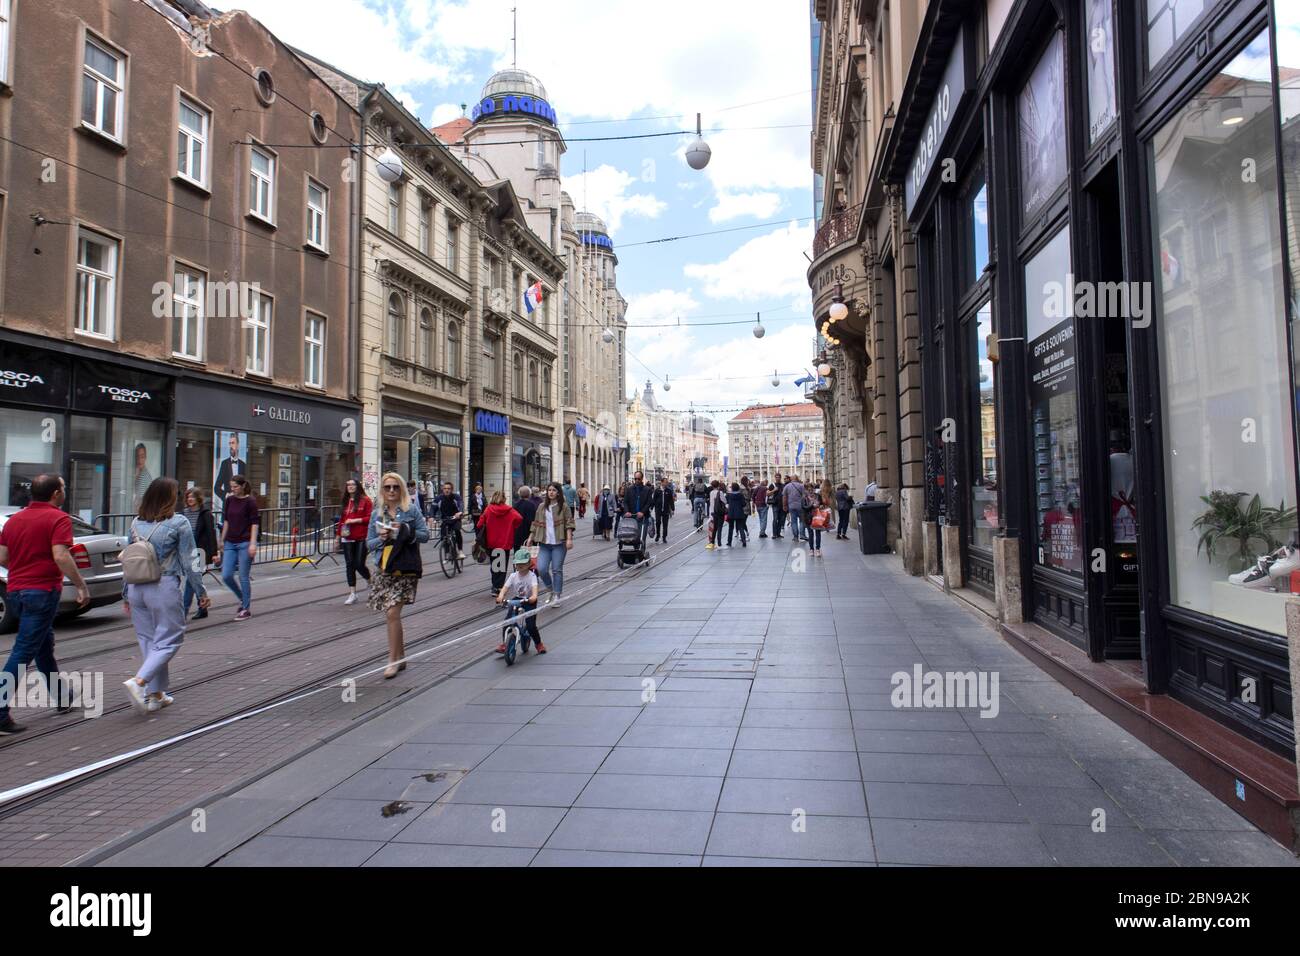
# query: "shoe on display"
1284,565
1257,578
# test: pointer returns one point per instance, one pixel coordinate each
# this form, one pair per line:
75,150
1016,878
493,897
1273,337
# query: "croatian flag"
533,298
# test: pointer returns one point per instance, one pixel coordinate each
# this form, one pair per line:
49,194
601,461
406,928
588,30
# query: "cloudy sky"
619,68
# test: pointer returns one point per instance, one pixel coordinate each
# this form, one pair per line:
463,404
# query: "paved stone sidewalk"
770,740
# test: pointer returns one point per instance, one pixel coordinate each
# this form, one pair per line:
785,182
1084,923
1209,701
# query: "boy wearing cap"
523,584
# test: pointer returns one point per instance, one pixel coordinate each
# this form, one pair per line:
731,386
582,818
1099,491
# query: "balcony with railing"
841,227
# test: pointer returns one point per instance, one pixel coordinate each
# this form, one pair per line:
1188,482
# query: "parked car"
95,552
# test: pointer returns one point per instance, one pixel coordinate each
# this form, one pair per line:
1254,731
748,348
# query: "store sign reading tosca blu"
947,102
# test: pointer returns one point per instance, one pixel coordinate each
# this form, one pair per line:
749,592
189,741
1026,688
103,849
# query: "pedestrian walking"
843,504
718,513
238,539
792,498
155,603
663,503
496,529
416,492
478,503
583,496
353,528
397,529
527,509
820,518
760,505
636,504
776,495
552,531
606,508
35,547
199,515
737,519
570,494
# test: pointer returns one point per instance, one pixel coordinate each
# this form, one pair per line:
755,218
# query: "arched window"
490,374
517,381
396,326
424,350
453,348
546,385
532,381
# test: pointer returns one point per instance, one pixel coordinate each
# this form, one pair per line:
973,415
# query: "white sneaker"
167,699
152,705
136,693
1280,571
555,601
352,598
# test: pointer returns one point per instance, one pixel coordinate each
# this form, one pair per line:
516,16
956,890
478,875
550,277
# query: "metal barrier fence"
295,535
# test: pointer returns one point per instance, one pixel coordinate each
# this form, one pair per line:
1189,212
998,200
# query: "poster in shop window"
230,458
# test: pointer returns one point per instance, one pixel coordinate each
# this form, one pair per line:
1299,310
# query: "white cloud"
654,343
445,113
605,192
764,268
407,99
731,205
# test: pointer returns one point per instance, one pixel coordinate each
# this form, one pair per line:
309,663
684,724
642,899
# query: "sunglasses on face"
392,487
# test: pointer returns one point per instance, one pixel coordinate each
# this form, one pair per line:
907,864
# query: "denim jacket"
174,543
410,516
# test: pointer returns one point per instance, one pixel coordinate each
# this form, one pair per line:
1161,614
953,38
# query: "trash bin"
873,527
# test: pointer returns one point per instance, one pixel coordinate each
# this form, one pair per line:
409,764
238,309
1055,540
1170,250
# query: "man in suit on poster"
230,466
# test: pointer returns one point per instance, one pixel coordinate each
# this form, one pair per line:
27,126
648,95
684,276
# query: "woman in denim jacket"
391,592
156,609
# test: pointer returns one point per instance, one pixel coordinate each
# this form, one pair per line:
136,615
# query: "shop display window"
1100,61
984,466
31,442
136,459
1040,109
1226,392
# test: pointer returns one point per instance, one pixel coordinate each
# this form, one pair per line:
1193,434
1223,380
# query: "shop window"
1167,22
136,460
1054,412
25,452
396,328
103,88
1100,60
1227,400
984,474
1041,111
975,209
96,285
187,314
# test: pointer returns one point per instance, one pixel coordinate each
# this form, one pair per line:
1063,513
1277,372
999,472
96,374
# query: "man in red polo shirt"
34,546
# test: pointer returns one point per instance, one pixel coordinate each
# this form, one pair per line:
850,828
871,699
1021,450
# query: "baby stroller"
631,549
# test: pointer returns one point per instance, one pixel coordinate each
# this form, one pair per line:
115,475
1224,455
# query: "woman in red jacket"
496,528
353,526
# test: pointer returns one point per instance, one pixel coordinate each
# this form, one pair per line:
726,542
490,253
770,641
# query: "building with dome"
511,134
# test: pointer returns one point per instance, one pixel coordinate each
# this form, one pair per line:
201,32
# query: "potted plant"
1226,521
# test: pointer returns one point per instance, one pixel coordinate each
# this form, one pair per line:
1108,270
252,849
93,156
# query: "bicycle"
515,634
448,553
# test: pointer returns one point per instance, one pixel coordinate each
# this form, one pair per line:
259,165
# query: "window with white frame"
425,349
187,313
317,210
395,208
453,349
192,142
396,326
6,13
96,284
453,242
102,88
262,184
257,335
490,360
313,351
541,151
426,226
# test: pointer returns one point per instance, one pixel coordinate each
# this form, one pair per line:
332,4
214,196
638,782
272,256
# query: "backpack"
140,564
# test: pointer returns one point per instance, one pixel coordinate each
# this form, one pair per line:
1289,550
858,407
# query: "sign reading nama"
513,103
596,239
491,423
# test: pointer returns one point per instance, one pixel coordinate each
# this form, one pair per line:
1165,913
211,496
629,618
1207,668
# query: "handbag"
821,518
140,564
401,556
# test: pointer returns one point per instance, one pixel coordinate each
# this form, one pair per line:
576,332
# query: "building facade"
1083,298
655,437
767,439
699,445
175,292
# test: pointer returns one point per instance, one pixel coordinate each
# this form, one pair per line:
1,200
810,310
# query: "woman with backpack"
160,556
495,530
354,523
737,515
397,529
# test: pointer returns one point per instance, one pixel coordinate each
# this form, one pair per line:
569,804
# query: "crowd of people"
174,539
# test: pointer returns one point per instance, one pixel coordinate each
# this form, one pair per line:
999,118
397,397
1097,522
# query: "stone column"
1006,580
930,549
911,541
951,537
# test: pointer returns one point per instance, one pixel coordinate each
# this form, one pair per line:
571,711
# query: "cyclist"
522,585
450,510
